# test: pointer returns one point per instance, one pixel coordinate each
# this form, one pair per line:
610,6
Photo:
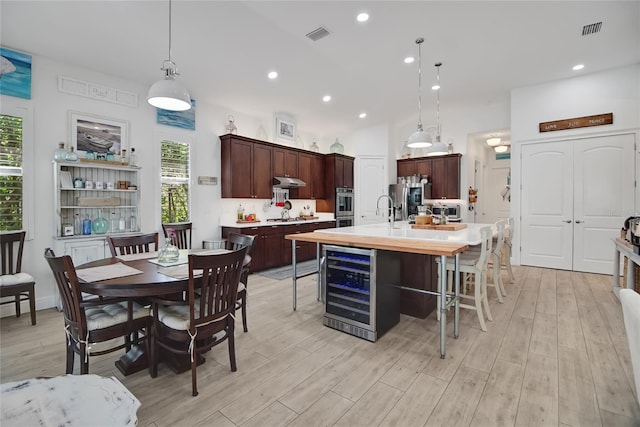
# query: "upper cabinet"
285,162
247,168
443,172
339,169
311,171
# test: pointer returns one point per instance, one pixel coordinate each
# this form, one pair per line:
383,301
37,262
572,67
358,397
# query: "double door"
575,197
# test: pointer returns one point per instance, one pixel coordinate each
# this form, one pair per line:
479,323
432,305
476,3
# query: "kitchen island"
403,239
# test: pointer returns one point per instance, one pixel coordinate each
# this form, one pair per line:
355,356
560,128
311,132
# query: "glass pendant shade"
492,142
501,148
168,94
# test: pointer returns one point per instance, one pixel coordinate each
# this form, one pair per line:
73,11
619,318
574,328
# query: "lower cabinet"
418,272
271,249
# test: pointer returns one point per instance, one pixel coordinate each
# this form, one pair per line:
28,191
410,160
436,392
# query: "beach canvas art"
15,73
179,119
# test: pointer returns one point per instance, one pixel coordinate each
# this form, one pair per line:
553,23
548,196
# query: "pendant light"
420,138
167,93
494,141
438,148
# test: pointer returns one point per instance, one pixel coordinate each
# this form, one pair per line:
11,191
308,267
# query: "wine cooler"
359,295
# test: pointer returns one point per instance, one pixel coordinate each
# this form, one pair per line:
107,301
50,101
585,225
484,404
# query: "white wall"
614,91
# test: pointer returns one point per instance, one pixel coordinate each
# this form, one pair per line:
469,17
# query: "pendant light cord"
170,31
419,43
438,64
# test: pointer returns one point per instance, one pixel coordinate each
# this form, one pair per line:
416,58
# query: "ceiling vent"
591,28
318,33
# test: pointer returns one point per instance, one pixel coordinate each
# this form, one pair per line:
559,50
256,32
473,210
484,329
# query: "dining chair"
90,321
508,246
473,266
181,233
133,244
495,260
207,319
13,282
236,241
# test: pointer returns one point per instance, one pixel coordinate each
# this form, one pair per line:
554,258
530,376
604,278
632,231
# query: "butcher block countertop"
401,238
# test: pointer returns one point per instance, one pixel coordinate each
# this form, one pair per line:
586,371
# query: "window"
11,173
175,181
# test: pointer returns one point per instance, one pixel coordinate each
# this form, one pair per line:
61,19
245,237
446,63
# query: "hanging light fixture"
501,148
438,148
420,138
493,141
167,93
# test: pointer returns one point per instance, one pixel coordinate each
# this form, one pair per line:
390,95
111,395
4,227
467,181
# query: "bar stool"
495,256
473,264
509,248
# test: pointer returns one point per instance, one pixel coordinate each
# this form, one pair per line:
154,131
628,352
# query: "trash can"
214,243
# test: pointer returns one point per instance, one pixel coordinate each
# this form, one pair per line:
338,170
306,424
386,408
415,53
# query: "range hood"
286,182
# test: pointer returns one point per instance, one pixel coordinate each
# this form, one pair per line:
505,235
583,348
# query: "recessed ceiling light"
363,115
326,98
272,74
578,67
362,17
435,87
409,60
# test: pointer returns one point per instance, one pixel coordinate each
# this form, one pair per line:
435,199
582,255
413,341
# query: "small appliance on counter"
632,230
451,211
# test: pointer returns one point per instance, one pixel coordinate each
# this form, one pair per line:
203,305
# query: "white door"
547,205
575,197
603,194
371,182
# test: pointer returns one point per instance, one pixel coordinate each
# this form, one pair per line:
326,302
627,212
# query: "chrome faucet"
392,213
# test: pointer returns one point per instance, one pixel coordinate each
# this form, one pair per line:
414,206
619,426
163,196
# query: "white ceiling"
224,49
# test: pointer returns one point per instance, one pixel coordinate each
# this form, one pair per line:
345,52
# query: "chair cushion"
112,314
16,279
176,316
246,261
241,287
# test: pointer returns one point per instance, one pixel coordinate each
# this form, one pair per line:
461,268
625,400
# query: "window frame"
178,137
11,107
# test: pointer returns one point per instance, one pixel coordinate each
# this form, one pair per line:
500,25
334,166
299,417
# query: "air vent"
591,28
318,33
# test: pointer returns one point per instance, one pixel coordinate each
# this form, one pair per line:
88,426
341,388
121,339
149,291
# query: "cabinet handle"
568,221
578,221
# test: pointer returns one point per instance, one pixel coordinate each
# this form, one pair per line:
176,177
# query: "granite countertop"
265,223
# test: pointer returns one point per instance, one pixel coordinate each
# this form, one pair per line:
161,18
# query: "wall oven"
344,202
344,221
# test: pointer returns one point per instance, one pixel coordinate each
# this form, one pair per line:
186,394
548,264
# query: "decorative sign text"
578,122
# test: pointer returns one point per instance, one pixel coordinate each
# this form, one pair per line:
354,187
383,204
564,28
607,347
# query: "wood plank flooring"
556,354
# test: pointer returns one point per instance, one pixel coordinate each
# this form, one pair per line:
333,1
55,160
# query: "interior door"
603,198
547,205
371,182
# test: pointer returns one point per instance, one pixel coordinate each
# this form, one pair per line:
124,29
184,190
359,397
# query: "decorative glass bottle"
60,153
77,225
100,225
170,252
72,156
336,147
314,147
86,225
133,158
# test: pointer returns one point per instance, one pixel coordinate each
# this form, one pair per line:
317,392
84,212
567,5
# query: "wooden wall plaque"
578,122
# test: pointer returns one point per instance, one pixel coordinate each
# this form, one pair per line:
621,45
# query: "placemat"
179,272
105,272
134,257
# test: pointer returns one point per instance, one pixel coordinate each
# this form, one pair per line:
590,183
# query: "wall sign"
578,122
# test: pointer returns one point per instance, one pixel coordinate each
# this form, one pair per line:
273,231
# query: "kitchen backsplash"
264,209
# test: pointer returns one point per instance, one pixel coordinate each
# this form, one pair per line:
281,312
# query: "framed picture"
15,70
98,134
179,119
285,127
65,179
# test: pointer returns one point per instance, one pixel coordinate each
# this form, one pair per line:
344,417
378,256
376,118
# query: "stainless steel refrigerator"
407,197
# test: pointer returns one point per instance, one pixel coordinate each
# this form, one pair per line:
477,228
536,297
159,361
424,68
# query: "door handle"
568,221
578,221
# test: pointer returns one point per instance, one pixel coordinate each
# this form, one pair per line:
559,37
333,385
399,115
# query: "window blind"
11,181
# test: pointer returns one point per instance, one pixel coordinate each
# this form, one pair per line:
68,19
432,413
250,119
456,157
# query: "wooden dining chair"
13,282
206,319
236,241
133,244
92,321
182,233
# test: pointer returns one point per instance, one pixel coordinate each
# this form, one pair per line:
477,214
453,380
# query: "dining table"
139,277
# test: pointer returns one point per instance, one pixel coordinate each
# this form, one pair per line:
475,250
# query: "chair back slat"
486,235
11,247
133,244
236,241
64,272
218,288
181,233
500,225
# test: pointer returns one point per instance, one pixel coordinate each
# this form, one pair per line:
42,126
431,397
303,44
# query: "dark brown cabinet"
443,172
246,168
311,171
338,174
285,162
418,272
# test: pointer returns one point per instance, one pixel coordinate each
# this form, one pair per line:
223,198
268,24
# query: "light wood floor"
555,354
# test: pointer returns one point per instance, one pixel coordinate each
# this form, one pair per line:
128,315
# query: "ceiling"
224,50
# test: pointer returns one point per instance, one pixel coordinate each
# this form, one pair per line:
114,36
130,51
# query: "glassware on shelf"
60,153
100,224
231,127
122,224
314,147
86,225
115,223
133,158
123,156
72,156
77,225
336,147
90,155
170,252
133,222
